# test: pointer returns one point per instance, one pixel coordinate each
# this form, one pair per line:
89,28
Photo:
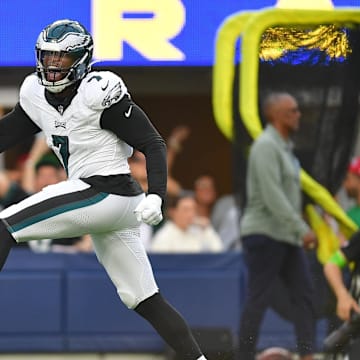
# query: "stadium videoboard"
128,32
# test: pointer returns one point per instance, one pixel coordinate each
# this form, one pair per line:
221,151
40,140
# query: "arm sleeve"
15,127
267,168
338,259
137,131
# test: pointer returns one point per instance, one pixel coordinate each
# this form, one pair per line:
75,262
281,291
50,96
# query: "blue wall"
66,303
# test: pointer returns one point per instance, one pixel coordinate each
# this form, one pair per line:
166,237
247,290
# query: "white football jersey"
74,134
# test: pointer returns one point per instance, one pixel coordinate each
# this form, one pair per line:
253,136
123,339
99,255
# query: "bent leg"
66,209
126,262
170,325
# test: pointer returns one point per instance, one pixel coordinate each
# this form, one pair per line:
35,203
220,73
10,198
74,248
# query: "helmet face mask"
55,65
63,54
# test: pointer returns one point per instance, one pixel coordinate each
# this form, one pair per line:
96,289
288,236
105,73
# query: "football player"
92,125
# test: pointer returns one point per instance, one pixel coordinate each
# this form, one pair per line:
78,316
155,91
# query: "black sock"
6,243
170,325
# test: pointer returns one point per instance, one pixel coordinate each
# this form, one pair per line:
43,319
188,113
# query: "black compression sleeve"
129,122
170,325
15,127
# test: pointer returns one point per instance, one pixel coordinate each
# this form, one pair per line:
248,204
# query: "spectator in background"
13,160
10,191
343,282
351,185
347,298
137,161
16,170
174,146
225,218
205,195
184,231
222,212
47,172
273,231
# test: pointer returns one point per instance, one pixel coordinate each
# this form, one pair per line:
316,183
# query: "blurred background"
165,52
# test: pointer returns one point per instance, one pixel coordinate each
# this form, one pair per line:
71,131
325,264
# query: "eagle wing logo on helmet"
75,41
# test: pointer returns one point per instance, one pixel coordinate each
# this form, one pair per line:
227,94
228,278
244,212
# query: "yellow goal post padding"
249,27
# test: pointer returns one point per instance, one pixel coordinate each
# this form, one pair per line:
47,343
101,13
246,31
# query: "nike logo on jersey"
103,88
128,112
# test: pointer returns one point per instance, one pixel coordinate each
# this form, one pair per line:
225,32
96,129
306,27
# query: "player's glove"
149,210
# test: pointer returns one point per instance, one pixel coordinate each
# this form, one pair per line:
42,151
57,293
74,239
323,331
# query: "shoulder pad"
101,89
29,89
27,85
